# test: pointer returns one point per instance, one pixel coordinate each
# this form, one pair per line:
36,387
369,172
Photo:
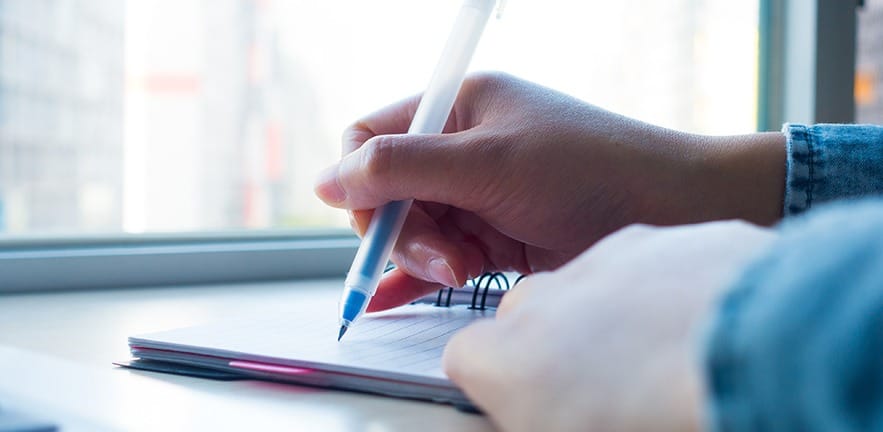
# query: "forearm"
795,344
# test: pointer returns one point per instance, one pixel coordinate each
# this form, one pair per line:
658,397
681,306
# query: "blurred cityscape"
152,116
220,130
183,115
61,117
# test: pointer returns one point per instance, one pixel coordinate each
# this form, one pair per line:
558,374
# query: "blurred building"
869,64
186,77
216,118
61,98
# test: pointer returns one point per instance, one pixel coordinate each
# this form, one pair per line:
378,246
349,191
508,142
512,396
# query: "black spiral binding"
441,292
481,284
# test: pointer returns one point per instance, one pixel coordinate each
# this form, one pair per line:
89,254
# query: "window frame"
141,260
804,78
789,89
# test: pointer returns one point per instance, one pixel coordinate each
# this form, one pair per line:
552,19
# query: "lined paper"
407,341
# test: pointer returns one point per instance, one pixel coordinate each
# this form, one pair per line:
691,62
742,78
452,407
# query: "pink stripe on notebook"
268,367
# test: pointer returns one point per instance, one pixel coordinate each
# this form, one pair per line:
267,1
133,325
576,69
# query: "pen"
430,118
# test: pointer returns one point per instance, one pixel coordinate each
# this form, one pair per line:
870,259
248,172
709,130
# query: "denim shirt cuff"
827,162
798,193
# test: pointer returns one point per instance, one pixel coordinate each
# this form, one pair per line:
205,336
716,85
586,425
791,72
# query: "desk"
56,349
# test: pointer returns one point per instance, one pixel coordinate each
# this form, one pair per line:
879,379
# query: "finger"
359,220
446,169
475,103
474,259
513,299
472,360
392,119
495,249
424,252
465,358
397,288
423,239
472,104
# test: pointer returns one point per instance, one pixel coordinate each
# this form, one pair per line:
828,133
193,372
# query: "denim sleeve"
797,343
827,162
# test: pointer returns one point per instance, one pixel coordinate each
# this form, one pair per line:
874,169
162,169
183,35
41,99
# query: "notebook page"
405,343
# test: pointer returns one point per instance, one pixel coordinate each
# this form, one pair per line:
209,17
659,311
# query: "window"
158,116
869,64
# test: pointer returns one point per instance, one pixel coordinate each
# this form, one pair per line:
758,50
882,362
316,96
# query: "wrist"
744,177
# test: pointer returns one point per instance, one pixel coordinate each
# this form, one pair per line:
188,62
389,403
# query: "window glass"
869,64
190,115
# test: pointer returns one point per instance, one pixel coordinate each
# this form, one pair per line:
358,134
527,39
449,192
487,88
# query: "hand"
525,179
612,349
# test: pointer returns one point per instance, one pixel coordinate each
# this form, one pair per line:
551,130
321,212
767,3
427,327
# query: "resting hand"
613,349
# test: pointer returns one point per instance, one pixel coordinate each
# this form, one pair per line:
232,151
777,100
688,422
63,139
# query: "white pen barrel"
437,101
430,117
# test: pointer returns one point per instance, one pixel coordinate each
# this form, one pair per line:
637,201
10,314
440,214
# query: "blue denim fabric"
797,343
829,161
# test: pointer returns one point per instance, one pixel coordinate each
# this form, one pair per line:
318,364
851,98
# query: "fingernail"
354,225
328,187
352,219
442,272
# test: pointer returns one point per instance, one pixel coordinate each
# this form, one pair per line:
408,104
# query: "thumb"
443,168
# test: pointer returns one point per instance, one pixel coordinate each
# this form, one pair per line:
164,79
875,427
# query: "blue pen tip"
343,329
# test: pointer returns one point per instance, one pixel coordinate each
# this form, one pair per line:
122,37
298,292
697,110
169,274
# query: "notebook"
395,353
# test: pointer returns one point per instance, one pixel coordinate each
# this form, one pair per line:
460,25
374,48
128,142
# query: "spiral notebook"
395,353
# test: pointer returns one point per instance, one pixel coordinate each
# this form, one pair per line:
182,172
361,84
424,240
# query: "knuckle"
508,303
486,82
377,158
638,229
489,78
631,233
513,299
353,136
348,136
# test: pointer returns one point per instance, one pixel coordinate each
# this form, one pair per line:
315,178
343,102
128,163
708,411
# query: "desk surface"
56,349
